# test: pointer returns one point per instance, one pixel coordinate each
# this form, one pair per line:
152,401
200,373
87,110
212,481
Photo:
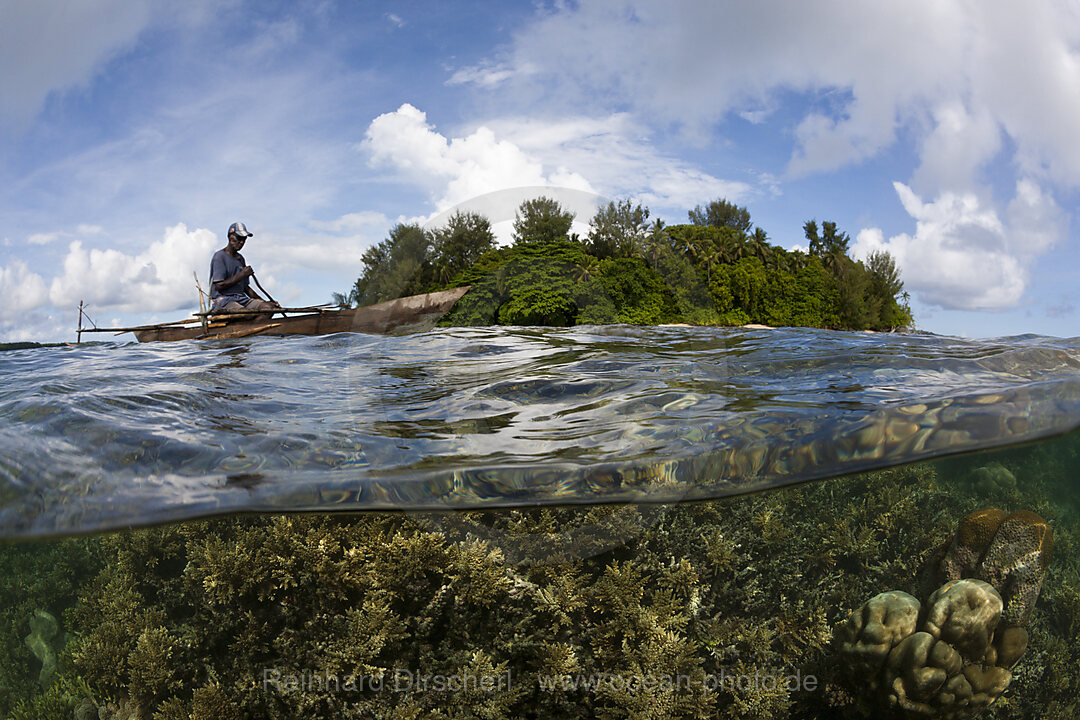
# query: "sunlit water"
114,435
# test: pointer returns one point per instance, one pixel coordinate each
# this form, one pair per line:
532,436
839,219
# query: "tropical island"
718,269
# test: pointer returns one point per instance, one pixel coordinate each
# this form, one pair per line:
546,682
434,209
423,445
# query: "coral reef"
712,609
958,662
872,631
1011,552
992,479
1016,561
965,614
946,669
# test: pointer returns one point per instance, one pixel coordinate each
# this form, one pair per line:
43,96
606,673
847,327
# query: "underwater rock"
992,478
1016,563
964,613
43,630
876,628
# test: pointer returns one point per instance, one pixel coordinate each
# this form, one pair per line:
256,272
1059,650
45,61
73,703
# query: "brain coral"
965,614
876,628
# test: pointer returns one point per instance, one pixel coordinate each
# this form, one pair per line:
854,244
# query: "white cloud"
1036,222
55,46
578,153
486,75
44,238
157,279
353,223
459,168
963,255
20,290
48,238
614,152
963,71
960,143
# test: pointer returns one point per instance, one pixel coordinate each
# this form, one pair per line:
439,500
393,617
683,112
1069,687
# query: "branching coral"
181,621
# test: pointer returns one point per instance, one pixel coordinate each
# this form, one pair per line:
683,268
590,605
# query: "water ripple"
110,435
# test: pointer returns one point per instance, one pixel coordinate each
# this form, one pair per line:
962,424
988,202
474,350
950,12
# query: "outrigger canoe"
415,313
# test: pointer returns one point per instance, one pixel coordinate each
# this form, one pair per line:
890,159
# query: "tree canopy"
541,220
618,230
717,270
721,213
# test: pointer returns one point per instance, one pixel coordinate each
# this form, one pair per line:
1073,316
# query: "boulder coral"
993,478
946,668
1016,563
916,671
876,628
965,614
952,657
960,556
1010,552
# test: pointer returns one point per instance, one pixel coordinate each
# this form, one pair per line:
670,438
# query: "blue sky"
132,133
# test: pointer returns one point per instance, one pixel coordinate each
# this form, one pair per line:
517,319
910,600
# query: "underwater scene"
613,522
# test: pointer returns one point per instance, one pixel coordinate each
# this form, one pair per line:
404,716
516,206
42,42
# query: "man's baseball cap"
240,229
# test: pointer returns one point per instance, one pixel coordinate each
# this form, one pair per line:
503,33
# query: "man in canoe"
229,276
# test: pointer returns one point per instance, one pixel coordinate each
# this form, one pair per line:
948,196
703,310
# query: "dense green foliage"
718,270
541,220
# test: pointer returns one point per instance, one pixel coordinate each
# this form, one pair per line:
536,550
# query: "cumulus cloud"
21,290
55,46
460,168
976,90
963,255
157,279
609,153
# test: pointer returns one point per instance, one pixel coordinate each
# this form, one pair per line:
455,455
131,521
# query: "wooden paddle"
268,296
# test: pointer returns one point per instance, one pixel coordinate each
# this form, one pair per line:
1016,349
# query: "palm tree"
654,243
587,267
709,255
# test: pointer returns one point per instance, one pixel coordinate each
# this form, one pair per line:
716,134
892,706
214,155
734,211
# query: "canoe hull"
405,315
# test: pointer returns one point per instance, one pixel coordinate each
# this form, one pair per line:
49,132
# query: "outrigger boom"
415,313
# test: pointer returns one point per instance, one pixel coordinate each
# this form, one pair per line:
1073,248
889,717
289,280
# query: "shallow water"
566,599
119,434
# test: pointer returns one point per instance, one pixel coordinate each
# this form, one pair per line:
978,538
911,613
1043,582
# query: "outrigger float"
415,313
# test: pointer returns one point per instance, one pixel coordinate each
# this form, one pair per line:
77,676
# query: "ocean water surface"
113,435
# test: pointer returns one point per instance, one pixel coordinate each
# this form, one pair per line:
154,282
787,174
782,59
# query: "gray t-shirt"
222,267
